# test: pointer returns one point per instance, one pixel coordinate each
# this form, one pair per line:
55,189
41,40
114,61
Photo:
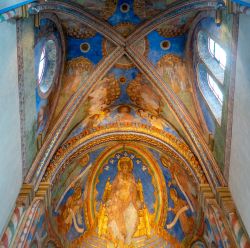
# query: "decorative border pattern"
12,227
27,229
239,232
124,132
21,93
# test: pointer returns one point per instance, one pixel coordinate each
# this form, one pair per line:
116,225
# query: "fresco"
177,26
84,48
123,96
125,15
125,114
35,231
40,232
198,244
68,175
166,50
120,195
119,14
212,239
182,200
130,92
125,10
68,196
215,231
125,200
124,210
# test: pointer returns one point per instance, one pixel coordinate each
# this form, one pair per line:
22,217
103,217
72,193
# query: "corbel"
236,225
26,195
43,192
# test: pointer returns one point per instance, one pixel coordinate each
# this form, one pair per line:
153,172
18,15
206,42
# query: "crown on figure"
126,160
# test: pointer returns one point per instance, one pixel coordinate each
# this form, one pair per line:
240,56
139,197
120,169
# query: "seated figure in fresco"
71,213
180,207
123,214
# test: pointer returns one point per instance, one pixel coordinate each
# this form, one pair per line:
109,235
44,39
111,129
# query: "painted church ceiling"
123,173
86,48
124,96
132,11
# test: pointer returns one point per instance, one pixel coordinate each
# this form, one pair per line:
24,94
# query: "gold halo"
125,159
77,194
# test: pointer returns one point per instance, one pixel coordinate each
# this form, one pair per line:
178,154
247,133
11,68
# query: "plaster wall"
29,90
239,173
10,145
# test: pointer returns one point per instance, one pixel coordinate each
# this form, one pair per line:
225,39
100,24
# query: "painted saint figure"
123,203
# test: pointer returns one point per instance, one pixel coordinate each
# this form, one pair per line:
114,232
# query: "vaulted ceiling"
131,53
124,87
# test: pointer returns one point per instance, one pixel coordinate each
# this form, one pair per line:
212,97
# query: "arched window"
41,66
211,70
214,87
217,53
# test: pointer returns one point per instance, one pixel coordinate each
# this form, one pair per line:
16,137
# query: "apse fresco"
129,198
68,175
183,197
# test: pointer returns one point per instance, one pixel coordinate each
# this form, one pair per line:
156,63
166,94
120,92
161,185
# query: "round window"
47,65
41,66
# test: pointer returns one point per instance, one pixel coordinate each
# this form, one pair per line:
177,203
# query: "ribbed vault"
126,115
127,47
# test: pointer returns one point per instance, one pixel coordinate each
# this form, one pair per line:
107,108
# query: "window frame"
211,85
208,63
50,65
215,108
43,59
213,52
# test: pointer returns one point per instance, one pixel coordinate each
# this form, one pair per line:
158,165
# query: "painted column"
220,229
226,203
34,227
23,201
